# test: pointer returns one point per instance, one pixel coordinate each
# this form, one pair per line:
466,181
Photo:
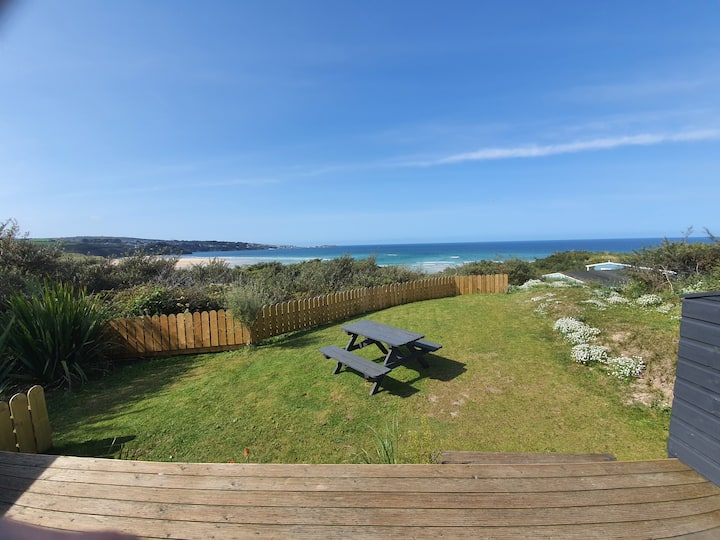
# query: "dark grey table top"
395,337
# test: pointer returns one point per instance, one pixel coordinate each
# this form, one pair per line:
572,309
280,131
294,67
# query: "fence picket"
24,423
214,330
196,322
20,414
39,418
7,437
181,331
164,328
173,333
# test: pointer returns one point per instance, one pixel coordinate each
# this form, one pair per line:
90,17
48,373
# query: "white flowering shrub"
626,367
542,297
693,288
562,284
665,308
589,354
599,304
649,300
575,331
529,284
615,299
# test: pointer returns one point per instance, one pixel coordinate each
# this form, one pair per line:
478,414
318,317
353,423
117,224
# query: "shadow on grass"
299,339
102,448
440,369
110,397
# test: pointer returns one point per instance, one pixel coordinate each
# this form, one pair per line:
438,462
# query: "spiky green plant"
57,334
7,362
386,444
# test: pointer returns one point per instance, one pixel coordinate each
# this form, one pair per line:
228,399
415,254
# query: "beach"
194,261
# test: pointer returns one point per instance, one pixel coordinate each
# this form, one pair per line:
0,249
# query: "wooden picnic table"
398,345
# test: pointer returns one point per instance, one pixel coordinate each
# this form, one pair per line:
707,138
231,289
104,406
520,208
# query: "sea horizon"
437,256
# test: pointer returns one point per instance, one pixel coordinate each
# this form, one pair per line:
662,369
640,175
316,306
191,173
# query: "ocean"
433,258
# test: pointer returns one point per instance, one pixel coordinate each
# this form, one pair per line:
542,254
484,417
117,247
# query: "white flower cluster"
562,284
602,306
575,331
531,283
693,288
616,298
649,300
626,367
587,354
665,308
542,297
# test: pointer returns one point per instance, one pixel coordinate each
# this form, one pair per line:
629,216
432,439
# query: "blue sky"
345,122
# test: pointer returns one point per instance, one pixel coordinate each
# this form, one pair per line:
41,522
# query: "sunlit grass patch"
503,381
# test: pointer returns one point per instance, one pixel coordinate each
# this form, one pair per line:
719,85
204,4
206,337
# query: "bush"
22,261
589,354
626,367
672,263
576,332
160,300
57,335
140,269
518,271
246,300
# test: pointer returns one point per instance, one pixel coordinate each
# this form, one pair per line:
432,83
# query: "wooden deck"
595,499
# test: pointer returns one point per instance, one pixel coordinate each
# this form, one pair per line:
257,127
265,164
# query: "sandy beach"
194,261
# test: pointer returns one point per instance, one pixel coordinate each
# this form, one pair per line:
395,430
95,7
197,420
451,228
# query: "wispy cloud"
604,143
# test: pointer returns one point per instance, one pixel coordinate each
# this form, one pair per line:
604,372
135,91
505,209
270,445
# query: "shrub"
159,300
141,269
518,271
214,271
649,300
575,331
22,261
57,334
246,300
626,367
589,354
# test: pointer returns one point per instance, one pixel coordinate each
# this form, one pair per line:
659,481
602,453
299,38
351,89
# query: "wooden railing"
24,423
190,333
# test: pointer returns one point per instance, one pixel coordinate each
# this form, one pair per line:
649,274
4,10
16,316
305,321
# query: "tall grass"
57,335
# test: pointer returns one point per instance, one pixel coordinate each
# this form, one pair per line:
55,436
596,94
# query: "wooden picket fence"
24,423
191,333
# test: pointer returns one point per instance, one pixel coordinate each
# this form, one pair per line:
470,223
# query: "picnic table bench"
372,371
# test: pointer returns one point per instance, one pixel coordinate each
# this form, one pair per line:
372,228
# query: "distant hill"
114,246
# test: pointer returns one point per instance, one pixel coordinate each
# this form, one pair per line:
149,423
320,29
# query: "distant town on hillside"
114,246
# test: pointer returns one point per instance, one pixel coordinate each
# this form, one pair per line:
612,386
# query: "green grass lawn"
503,381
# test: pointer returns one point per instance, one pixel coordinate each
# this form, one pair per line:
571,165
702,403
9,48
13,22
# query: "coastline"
189,262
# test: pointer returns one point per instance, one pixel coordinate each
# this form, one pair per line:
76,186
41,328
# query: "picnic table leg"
421,359
351,344
338,368
375,386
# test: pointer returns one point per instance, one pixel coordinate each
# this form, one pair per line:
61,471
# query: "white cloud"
605,143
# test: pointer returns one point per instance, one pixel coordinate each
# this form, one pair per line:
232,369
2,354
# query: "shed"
695,421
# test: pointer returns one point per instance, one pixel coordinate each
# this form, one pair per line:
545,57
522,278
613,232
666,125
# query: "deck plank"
646,499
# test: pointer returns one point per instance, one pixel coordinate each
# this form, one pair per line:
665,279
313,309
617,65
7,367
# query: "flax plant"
57,335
